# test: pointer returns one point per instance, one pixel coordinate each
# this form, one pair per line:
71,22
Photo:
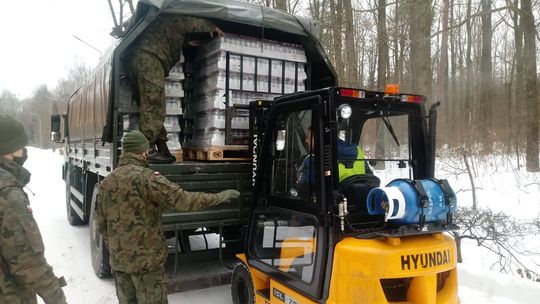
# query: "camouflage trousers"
148,74
17,296
141,288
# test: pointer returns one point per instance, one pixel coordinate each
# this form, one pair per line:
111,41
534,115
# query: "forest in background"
475,57
478,58
35,111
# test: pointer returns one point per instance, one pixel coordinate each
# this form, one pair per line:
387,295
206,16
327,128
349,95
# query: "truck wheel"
242,285
72,216
98,251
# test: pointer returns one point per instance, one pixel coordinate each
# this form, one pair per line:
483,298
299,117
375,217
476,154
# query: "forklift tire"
98,251
242,285
72,216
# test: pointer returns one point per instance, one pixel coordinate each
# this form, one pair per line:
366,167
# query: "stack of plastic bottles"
252,63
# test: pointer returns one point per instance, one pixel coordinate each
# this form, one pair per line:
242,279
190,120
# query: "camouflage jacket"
165,36
23,268
129,206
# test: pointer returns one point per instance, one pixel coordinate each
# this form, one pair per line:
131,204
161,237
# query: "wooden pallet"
218,153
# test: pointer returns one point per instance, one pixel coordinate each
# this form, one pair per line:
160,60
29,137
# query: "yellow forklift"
345,205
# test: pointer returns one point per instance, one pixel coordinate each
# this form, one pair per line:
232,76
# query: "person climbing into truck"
351,162
150,59
129,205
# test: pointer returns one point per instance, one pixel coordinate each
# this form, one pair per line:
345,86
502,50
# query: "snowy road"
67,250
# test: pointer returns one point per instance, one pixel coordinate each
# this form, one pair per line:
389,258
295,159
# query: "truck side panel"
87,110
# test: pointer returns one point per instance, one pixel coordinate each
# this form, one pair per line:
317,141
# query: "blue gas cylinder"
400,201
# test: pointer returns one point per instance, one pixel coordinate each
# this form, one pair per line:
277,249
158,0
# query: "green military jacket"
164,38
23,268
129,206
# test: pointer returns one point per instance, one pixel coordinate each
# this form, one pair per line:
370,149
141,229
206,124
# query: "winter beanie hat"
134,142
12,135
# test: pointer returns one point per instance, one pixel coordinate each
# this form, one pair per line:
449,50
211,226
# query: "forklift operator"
351,162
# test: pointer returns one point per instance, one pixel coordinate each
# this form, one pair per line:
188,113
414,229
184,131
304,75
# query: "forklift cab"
293,233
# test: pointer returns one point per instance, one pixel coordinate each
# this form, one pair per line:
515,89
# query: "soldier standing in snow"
150,59
24,271
130,203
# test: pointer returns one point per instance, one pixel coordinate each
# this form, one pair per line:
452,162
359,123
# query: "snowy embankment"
67,247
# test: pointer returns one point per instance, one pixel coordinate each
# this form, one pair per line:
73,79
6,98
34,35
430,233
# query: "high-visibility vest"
358,166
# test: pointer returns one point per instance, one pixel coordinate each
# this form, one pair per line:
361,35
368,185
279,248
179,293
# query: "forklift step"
265,293
217,153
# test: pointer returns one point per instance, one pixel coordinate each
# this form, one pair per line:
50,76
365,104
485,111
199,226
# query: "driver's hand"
216,32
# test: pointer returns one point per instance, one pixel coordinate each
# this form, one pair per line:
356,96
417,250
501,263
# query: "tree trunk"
486,82
350,50
531,95
454,114
469,64
420,35
442,84
516,115
337,22
401,15
394,78
382,45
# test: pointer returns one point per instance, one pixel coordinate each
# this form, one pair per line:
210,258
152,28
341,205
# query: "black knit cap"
12,135
134,142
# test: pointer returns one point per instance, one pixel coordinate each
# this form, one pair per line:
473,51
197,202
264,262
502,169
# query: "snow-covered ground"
67,247
501,186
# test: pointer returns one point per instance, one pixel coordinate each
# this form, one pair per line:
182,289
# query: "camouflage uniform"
130,203
151,58
23,268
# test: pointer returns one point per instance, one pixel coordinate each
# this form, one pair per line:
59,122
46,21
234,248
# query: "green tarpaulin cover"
236,11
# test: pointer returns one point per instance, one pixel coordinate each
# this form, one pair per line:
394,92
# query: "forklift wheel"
242,285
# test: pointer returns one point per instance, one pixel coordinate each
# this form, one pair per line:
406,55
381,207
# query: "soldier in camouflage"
129,206
24,272
150,59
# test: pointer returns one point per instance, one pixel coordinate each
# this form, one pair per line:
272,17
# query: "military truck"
93,126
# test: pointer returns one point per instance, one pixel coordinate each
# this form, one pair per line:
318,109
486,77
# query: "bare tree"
469,64
515,110
484,115
531,92
442,87
336,7
382,45
420,18
120,27
77,75
35,114
400,41
350,49
9,103
500,234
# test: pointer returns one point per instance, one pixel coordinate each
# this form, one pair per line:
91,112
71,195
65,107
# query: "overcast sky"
37,40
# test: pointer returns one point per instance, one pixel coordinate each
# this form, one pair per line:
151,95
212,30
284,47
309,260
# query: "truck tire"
72,216
242,285
98,251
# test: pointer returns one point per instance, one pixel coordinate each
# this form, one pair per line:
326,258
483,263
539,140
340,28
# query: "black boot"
164,153
156,156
